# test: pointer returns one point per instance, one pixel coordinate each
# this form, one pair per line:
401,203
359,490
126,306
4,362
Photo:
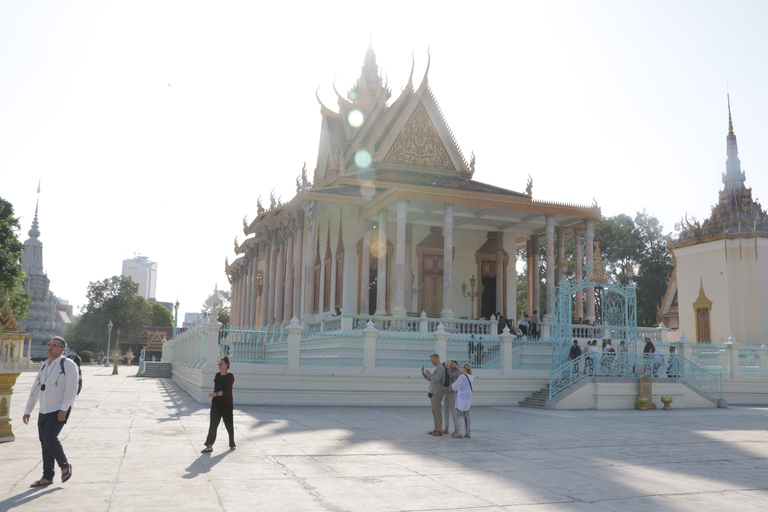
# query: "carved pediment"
419,145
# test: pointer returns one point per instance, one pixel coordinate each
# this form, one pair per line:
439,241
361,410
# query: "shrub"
86,356
38,359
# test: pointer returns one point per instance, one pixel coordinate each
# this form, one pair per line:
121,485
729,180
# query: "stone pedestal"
7,380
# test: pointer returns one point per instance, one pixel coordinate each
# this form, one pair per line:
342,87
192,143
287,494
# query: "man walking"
56,388
436,390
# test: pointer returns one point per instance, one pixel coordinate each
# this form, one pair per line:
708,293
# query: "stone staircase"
157,370
537,399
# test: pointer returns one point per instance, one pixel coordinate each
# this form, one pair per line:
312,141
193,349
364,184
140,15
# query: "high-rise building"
144,273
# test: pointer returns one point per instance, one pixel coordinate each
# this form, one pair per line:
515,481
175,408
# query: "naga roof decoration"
736,214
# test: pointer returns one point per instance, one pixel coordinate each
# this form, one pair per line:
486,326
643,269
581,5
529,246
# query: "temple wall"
737,287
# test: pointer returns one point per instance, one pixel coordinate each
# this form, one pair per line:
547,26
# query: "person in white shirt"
56,388
463,388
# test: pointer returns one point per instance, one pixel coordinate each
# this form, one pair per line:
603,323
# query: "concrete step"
537,399
157,370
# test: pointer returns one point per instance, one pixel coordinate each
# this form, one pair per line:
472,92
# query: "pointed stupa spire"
34,232
734,177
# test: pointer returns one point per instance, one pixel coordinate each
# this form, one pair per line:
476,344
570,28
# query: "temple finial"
730,122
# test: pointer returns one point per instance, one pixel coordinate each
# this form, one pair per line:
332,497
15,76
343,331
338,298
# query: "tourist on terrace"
463,388
222,405
56,388
436,392
575,354
672,367
450,396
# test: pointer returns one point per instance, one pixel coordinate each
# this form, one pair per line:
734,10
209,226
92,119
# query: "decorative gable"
419,145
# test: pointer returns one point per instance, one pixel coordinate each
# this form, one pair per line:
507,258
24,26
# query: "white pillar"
298,251
560,243
272,279
500,274
590,254
309,268
579,273
365,271
398,306
409,267
263,321
529,270
511,273
288,295
381,286
254,286
535,280
447,311
550,241
280,283
248,292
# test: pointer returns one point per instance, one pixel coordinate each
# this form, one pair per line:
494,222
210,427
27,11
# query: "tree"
114,299
655,266
160,316
11,274
621,244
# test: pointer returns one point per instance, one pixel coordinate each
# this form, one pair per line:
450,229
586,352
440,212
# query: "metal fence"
710,356
248,346
629,364
480,353
753,359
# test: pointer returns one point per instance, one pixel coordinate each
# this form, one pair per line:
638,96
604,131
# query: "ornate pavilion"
719,288
393,223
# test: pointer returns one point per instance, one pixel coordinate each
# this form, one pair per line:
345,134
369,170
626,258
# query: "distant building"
144,273
190,319
48,316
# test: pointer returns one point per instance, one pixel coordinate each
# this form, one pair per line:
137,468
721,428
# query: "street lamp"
175,317
109,338
472,293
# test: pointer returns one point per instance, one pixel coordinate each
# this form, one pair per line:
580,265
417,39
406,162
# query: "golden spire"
730,122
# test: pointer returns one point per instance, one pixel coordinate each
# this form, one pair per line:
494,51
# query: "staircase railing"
625,364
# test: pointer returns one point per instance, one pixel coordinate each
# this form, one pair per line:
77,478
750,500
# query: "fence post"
423,323
441,342
663,336
370,337
294,342
733,356
684,347
212,344
506,339
346,322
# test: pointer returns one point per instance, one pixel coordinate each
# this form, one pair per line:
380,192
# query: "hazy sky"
155,125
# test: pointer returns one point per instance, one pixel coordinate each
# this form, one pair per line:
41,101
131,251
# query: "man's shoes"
437,434
445,431
431,432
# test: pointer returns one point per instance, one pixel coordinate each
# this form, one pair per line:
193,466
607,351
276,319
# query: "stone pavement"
135,445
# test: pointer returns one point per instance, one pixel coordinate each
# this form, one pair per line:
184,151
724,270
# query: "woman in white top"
463,388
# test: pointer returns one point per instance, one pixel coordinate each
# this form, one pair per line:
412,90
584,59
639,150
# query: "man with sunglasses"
56,388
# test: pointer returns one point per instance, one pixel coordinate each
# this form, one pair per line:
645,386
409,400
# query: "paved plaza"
135,445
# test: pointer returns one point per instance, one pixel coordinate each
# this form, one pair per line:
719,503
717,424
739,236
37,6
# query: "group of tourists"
452,385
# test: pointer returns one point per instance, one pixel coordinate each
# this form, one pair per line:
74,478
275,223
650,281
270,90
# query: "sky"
154,126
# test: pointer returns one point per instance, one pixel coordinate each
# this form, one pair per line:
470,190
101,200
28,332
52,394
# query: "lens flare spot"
356,118
367,190
376,249
363,159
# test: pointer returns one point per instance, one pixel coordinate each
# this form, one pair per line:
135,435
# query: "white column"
536,281
409,267
309,269
263,321
529,270
381,286
248,292
233,294
365,270
447,311
288,295
590,254
511,272
500,274
398,307
579,273
560,242
280,283
550,241
298,251
254,287
272,279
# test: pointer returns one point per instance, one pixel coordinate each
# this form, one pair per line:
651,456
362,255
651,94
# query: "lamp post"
175,317
472,293
109,339
117,353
